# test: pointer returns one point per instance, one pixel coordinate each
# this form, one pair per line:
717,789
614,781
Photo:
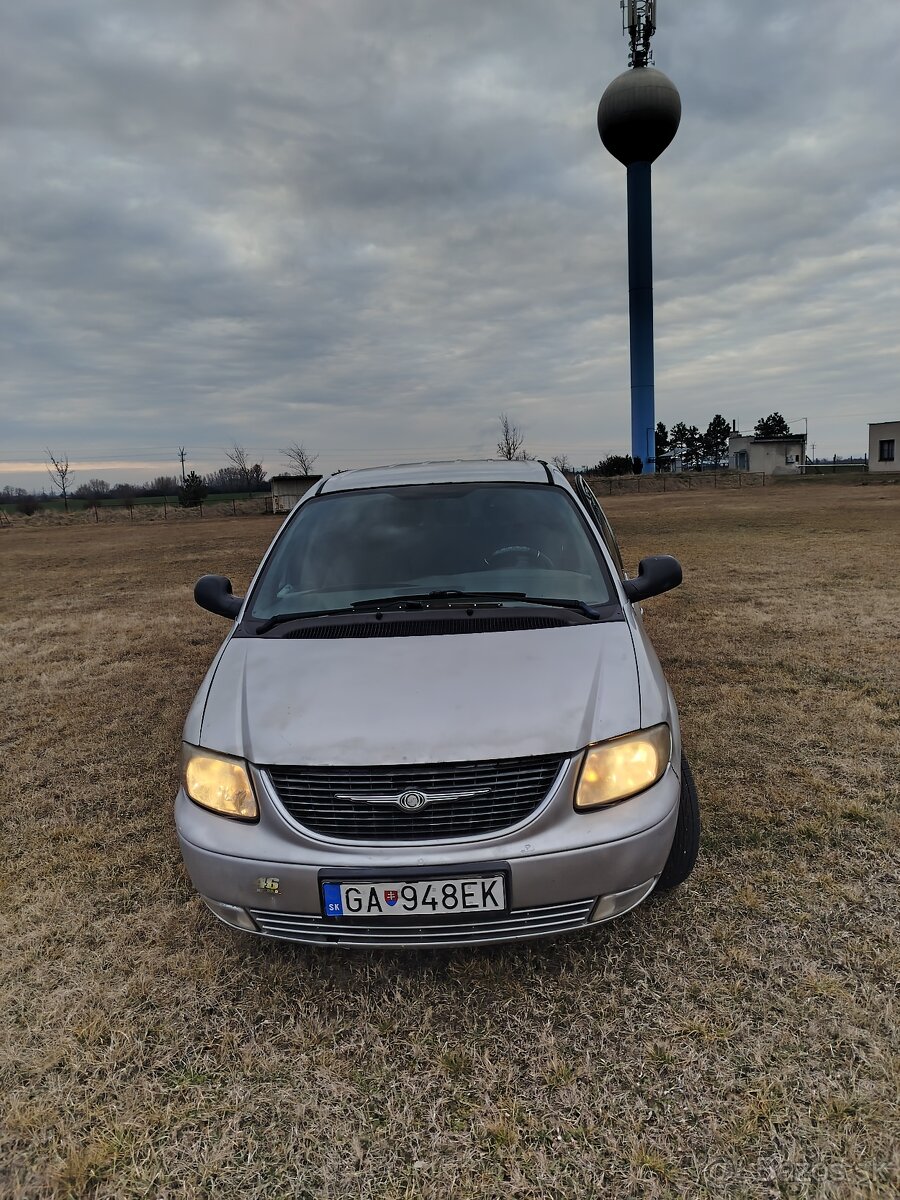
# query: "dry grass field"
737,1040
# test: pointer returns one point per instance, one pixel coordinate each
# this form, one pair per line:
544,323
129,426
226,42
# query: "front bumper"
518,925
264,878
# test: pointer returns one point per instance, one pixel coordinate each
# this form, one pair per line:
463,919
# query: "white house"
884,439
768,455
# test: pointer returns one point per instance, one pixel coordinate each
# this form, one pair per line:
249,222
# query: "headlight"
623,767
219,783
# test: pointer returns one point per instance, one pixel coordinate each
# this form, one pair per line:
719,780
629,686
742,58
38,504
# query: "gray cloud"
372,225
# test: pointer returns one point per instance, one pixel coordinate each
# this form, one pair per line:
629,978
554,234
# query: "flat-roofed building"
768,455
884,441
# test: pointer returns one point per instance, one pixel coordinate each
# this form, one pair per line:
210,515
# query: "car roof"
458,471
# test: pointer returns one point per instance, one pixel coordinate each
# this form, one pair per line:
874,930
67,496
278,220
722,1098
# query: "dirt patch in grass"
736,1039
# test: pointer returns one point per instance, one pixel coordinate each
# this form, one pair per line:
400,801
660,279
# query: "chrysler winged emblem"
411,799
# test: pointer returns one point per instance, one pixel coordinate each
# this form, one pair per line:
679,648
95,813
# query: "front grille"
525,923
513,788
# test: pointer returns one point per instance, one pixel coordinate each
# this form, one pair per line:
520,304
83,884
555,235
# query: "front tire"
686,842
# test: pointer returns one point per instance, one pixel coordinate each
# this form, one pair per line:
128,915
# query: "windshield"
354,546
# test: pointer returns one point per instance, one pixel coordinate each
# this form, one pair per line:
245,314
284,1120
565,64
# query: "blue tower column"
640,316
638,117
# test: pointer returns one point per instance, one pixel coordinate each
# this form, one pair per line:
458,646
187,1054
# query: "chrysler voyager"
436,719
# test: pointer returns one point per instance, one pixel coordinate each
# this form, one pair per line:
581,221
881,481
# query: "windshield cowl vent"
423,628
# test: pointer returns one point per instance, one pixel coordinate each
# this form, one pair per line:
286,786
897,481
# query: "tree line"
685,447
696,450
240,474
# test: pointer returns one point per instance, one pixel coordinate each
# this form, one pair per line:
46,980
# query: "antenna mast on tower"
639,21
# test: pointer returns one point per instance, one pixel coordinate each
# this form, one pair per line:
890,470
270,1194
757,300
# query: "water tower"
638,116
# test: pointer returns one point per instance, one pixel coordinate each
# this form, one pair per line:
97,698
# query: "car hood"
421,699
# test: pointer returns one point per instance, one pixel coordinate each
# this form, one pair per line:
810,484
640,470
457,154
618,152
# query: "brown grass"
138,514
738,1039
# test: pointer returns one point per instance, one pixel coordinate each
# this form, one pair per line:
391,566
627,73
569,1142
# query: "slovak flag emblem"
391,897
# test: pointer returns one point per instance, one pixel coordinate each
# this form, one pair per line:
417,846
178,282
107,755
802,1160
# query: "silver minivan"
436,719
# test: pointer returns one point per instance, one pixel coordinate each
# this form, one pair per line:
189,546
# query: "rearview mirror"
213,592
659,573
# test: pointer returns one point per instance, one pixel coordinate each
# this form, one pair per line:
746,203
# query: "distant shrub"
617,464
27,506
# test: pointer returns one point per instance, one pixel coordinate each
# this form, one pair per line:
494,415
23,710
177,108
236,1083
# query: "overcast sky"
373,225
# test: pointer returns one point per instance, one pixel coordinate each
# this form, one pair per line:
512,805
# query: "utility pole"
181,456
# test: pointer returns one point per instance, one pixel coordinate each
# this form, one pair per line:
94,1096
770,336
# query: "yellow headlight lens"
623,767
219,783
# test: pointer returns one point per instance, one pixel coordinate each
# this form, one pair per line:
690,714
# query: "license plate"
425,897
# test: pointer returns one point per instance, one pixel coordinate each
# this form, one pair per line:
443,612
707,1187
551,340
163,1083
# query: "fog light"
617,903
230,914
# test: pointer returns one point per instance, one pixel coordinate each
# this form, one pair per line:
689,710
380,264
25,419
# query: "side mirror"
213,592
659,573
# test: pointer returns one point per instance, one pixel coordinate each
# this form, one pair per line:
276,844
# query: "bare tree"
237,455
94,490
512,439
252,474
561,462
226,479
300,457
162,485
59,475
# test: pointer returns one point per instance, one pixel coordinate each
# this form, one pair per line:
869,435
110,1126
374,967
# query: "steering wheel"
520,556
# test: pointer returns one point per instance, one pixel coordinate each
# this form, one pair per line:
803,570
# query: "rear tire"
686,843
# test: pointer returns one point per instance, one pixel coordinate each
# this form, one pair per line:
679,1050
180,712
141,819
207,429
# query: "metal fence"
618,485
836,468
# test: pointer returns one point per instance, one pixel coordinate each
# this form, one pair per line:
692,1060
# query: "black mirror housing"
656,574
213,592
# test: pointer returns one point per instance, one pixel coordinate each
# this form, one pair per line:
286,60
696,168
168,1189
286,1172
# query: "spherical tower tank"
639,115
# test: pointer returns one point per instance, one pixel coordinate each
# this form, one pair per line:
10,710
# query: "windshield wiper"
421,600
415,601
554,602
280,618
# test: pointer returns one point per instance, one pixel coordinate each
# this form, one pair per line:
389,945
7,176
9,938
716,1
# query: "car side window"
601,523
